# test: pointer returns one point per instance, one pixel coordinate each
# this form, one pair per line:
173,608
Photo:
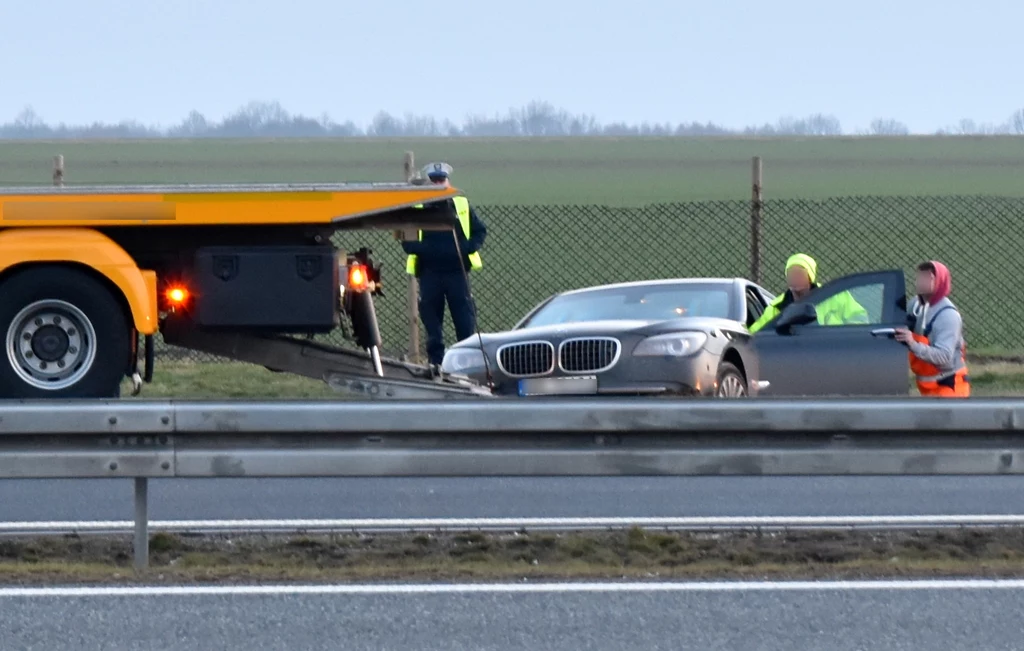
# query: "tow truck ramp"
348,371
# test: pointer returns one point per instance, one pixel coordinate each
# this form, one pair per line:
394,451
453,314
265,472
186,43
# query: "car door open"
838,341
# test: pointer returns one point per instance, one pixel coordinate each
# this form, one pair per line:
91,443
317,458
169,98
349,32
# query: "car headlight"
677,344
461,360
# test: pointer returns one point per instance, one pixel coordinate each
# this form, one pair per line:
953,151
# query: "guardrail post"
141,523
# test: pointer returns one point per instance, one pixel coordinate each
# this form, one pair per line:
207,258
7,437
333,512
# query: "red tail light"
358,280
176,295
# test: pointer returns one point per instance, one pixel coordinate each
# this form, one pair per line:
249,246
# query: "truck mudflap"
348,371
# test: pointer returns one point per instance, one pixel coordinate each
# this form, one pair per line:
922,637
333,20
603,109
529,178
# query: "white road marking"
891,521
501,588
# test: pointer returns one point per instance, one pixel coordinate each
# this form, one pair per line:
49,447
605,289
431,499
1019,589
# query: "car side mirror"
796,314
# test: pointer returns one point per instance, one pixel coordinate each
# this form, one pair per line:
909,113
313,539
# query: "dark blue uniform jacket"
436,252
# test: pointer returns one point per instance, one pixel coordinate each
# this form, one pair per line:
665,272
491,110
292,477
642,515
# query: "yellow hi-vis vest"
462,210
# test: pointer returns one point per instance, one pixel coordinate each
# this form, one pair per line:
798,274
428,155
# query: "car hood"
601,328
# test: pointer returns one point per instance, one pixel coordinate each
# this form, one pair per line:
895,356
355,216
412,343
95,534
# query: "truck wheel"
65,336
730,382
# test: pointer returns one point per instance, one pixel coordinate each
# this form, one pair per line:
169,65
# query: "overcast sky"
928,63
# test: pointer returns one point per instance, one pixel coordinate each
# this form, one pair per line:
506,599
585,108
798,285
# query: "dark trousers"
435,289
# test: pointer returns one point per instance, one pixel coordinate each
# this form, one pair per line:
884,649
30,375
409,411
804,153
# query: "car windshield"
643,302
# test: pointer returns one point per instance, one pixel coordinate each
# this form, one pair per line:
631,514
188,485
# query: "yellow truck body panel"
345,205
19,248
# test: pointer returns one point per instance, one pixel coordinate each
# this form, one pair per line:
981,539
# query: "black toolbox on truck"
278,288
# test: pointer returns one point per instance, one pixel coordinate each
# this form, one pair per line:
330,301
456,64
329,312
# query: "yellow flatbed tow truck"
246,272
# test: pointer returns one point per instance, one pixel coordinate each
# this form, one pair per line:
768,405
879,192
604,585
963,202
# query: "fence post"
58,170
755,221
412,294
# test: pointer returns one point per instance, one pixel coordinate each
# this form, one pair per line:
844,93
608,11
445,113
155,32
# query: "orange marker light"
177,295
357,279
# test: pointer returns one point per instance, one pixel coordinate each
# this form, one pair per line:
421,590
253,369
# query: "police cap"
438,170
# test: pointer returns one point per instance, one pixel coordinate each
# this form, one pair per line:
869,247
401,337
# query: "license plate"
558,386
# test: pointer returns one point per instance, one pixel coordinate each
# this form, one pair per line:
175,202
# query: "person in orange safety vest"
935,339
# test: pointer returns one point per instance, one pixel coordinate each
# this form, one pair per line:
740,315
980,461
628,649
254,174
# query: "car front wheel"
730,383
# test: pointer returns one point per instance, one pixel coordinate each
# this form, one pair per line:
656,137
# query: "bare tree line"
537,119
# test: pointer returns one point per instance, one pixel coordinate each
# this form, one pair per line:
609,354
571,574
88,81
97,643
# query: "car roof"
724,282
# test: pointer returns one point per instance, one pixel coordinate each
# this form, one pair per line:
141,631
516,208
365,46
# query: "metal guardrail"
558,437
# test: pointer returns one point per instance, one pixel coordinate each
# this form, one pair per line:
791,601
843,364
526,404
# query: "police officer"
443,272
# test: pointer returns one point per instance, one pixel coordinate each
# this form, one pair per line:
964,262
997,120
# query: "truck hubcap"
51,344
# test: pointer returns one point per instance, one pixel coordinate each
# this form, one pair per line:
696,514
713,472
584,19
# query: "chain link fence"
532,252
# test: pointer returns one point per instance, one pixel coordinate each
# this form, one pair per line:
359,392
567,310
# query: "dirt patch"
633,554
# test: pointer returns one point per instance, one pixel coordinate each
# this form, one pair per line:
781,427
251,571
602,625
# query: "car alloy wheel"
730,382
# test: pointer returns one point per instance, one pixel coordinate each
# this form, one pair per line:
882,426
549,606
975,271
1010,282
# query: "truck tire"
64,334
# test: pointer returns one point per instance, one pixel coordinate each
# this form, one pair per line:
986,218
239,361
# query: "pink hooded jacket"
943,282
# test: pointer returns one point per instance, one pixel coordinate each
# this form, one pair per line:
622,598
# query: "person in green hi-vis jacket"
801,279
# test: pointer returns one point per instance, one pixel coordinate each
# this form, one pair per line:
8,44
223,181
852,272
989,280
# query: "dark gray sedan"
689,337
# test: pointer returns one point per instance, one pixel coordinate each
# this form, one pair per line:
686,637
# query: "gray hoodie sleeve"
945,338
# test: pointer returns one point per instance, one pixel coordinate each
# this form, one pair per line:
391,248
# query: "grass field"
592,171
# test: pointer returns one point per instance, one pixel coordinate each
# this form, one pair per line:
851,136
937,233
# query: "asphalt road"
40,500
767,620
